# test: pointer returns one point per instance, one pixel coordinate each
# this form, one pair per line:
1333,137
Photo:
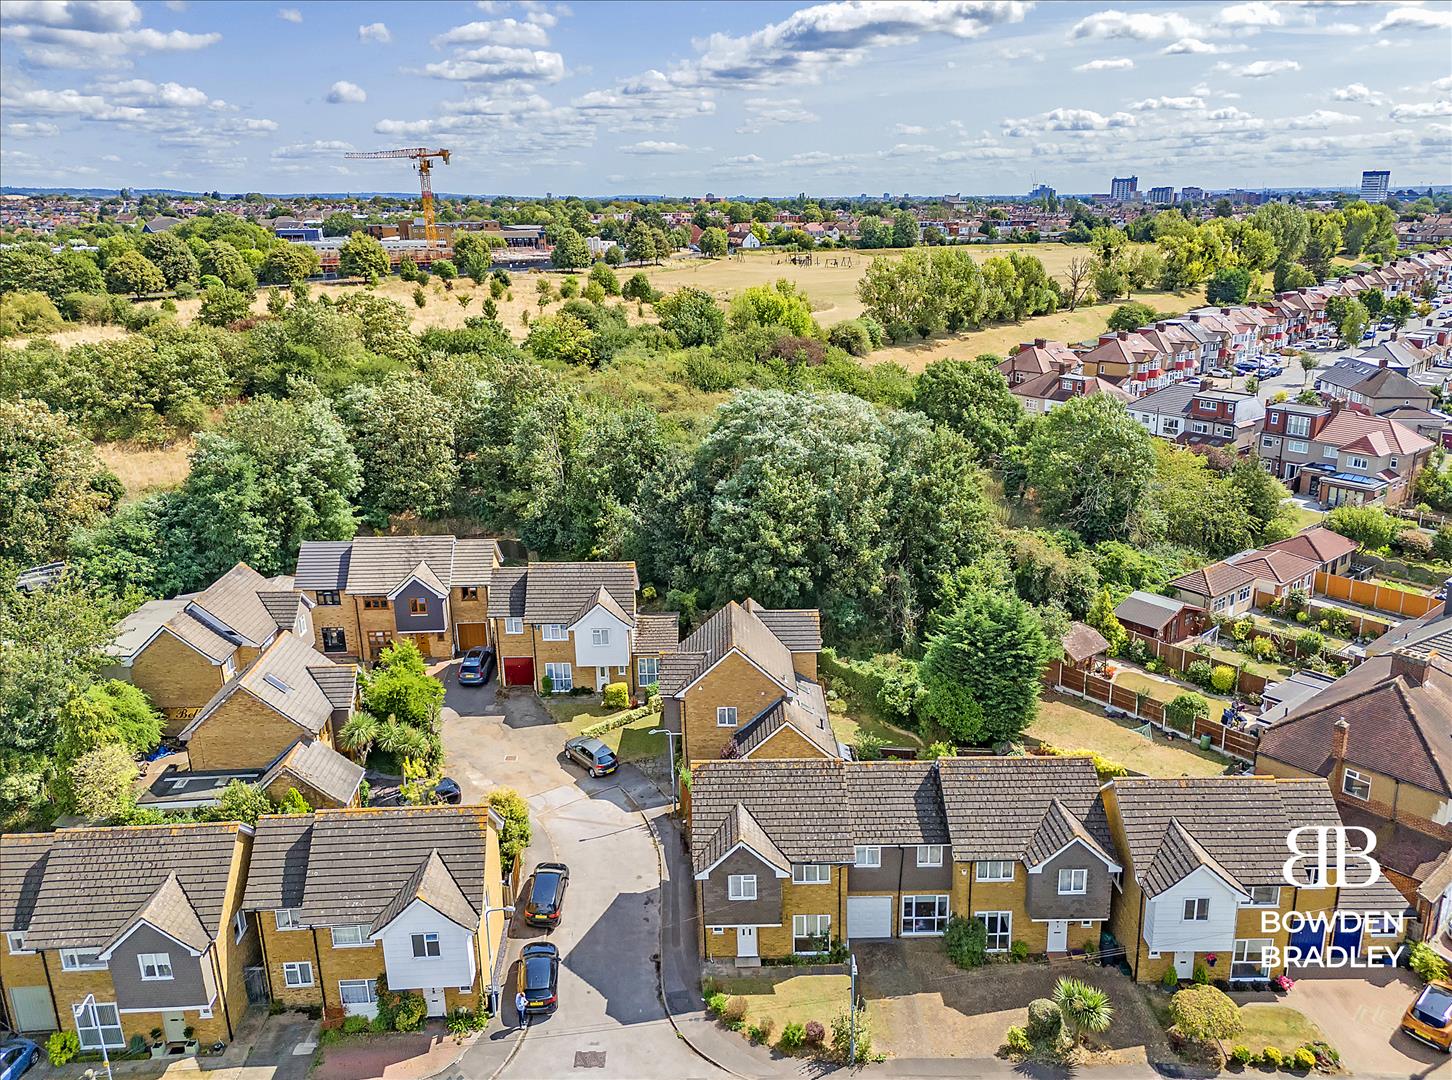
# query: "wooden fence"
1407,605
1229,741
1180,659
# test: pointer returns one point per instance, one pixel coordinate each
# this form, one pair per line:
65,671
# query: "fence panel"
1408,605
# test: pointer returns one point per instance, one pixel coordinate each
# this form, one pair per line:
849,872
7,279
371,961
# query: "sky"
970,96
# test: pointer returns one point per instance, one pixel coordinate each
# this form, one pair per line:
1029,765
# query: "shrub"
716,1004
815,1033
792,1037
867,747
515,835
1242,1055
795,349
1204,1012
1201,974
1272,1057
1425,962
617,695
1442,543
1310,643
1169,980
734,1012
842,1029
966,941
1045,1022
28,313
851,337
1185,710
355,1025
1222,678
1413,542
1018,951
1263,648
62,1047
760,1032
1199,672
1304,1059
1016,1041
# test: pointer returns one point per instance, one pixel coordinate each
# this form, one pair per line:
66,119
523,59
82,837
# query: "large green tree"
971,397
692,315
134,274
170,254
362,256
51,483
570,252
287,264
403,434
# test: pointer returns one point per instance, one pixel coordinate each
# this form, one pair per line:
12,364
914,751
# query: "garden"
800,1015
1207,1027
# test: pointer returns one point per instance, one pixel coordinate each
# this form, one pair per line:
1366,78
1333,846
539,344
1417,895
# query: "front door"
602,678
434,998
1059,935
174,1027
746,941
1185,965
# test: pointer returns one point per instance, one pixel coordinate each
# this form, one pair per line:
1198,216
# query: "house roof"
1036,359
1348,427
506,592
1173,400
658,633
799,629
1399,711
995,806
1236,826
1148,609
376,565
1317,543
323,564
169,910
1425,634
353,866
1082,641
23,858
234,601
1050,387
318,765
1214,580
806,712
95,883
1276,564
733,626
289,676
739,827
141,626
563,592
1058,829
435,885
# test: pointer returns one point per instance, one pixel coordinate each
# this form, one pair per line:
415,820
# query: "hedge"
619,720
864,680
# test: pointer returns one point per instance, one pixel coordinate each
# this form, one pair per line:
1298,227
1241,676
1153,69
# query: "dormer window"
82,960
328,598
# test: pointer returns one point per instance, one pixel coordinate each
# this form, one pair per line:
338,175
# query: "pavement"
1360,1011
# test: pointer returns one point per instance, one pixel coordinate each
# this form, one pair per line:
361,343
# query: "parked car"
477,667
597,758
1218,373
539,977
1429,1018
447,791
17,1056
546,901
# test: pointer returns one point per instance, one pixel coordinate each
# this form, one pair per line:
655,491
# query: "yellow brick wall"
1405,802
734,681
469,611
371,619
282,946
826,899
339,964
805,663
25,970
233,957
343,615
243,733
512,644
278,789
175,676
1007,896
787,743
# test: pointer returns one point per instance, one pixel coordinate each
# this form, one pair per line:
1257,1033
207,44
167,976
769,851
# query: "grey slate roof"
292,663
23,858
806,712
733,626
316,763
799,629
896,802
323,564
1058,829
435,886
376,565
142,624
73,909
338,682
475,558
1178,856
351,866
562,592
1148,609
506,592
738,826
657,633
169,910
282,606
233,601
995,806
802,805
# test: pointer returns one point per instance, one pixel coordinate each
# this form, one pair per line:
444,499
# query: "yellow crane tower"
421,158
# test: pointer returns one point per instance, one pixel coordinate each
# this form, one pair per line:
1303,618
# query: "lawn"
1275,1025
791,1001
1163,691
1072,724
631,743
852,723
1305,516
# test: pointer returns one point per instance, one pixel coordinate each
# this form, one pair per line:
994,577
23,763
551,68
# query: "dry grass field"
143,469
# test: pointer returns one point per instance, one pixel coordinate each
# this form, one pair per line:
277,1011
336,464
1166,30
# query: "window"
287,919
82,960
514,626
1296,446
425,946
1199,427
16,942
924,914
1264,896
1329,452
418,605
375,602
155,966
328,598
378,640
600,635
334,639
1249,960
1355,785
357,992
297,973
993,870
648,670
99,1025
930,854
725,715
239,926
469,592
562,677
555,632
1000,929
718,929
1197,909
811,933
1382,924
741,887
1392,462
1356,462
811,874
1268,442
867,857
350,937
1243,595
1073,882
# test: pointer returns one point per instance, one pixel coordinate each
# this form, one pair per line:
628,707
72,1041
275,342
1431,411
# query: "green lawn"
850,724
1142,683
1072,724
1304,516
790,1001
633,742
1275,1025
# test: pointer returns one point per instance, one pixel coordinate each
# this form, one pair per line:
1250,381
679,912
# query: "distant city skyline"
767,98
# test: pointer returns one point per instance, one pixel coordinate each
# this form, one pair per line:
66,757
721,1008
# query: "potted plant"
158,1046
190,1034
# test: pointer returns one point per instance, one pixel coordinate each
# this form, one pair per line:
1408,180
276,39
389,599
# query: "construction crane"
420,156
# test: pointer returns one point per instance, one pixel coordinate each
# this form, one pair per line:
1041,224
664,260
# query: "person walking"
520,1004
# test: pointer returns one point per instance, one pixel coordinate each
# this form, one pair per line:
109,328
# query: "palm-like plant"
1085,1008
359,734
401,740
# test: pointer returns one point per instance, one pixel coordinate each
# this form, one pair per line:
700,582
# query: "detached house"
373,590
1331,552
1221,587
343,897
792,855
576,624
145,918
744,684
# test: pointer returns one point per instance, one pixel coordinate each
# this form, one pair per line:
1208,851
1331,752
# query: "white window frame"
939,918
1240,954
426,939
287,919
561,675
930,855
811,874
71,960
1298,446
1193,906
1298,426
1273,902
992,870
1078,881
370,990
726,716
741,887
1361,779
239,927
157,962
15,942
1006,933
293,972
361,930
514,626
823,923
600,636
555,632
647,670
99,1033
867,857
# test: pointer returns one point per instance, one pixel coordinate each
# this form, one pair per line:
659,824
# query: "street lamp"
508,910
852,1013
90,999
675,773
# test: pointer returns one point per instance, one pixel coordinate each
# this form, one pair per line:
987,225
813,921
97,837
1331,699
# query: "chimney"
1039,342
1340,739
1409,666
1123,335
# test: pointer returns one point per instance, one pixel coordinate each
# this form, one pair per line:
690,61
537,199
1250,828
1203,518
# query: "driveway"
1360,1011
610,1019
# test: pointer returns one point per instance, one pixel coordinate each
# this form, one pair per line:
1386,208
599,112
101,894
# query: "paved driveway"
610,1020
1360,1012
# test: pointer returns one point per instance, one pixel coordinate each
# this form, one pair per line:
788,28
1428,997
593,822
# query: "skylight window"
276,683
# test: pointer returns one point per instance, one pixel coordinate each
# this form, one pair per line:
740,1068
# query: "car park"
1429,1018
546,901
17,1057
539,977
477,667
597,758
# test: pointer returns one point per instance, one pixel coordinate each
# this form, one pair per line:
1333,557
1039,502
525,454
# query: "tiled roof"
802,805
142,625
657,633
799,629
1057,830
1082,641
731,627
233,601
169,910
506,592
1148,609
320,766
896,802
1214,580
1276,564
1347,427
282,606
1178,856
201,637
23,859
996,805
739,827
435,886
1317,543
807,713
376,565
283,677
475,558
323,564
560,592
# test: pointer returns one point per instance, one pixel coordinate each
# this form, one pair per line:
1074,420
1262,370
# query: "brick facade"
244,733
178,679
734,681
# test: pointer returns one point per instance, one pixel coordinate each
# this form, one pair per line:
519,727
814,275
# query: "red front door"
518,671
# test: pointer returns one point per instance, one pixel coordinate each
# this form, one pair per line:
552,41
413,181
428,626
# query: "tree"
108,712
693,316
474,253
399,687
971,397
340,223
241,802
362,256
713,243
1085,1008
1264,498
445,271
514,837
287,264
1373,300
99,783
51,483
602,275
28,313
222,306
1309,363
134,274
1228,286
1076,280
1090,464
1349,318
1288,227
638,287
1289,276
1399,310
570,252
1131,316
170,254
779,304
904,229
403,434
562,337
1370,526
1203,1012
359,734
225,263
640,243
1101,616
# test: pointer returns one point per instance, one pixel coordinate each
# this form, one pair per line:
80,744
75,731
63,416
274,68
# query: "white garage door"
869,917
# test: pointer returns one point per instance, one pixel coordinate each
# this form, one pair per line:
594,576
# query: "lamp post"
852,1013
76,1010
675,773
508,910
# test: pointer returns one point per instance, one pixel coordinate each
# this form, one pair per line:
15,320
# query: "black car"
477,667
593,754
547,894
539,977
447,791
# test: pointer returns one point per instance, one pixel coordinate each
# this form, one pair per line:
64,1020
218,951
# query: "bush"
356,1025
842,1028
1242,1055
1222,678
515,835
1304,1059
28,313
1272,1057
1199,672
816,1034
617,695
1016,1041
760,1032
792,1037
1310,643
1185,709
734,1013
716,1004
62,1047
867,747
1204,1012
1263,648
1201,974
795,349
1018,951
1413,542
1425,962
1442,543
409,1013
1370,526
966,941
851,337
1169,980
1045,1022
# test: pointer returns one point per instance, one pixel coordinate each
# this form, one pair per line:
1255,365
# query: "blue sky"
756,98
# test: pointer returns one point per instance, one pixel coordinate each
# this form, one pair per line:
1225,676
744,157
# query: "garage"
519,671
31,1009
869,917
473,635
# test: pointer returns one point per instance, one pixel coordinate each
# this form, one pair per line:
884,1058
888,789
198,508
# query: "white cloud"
497,32
69,103
346,93
317,148
1256,14
87,34
494,63
1119,63
376,33
1357,92
1067,120
1174,104
289,14
83,15
909,129
1444,83
765,112
1421,110
1320,118
1013,54
1415,18
1263,69
149,95
745,159
1137,26
1193,46
31,129
653,147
